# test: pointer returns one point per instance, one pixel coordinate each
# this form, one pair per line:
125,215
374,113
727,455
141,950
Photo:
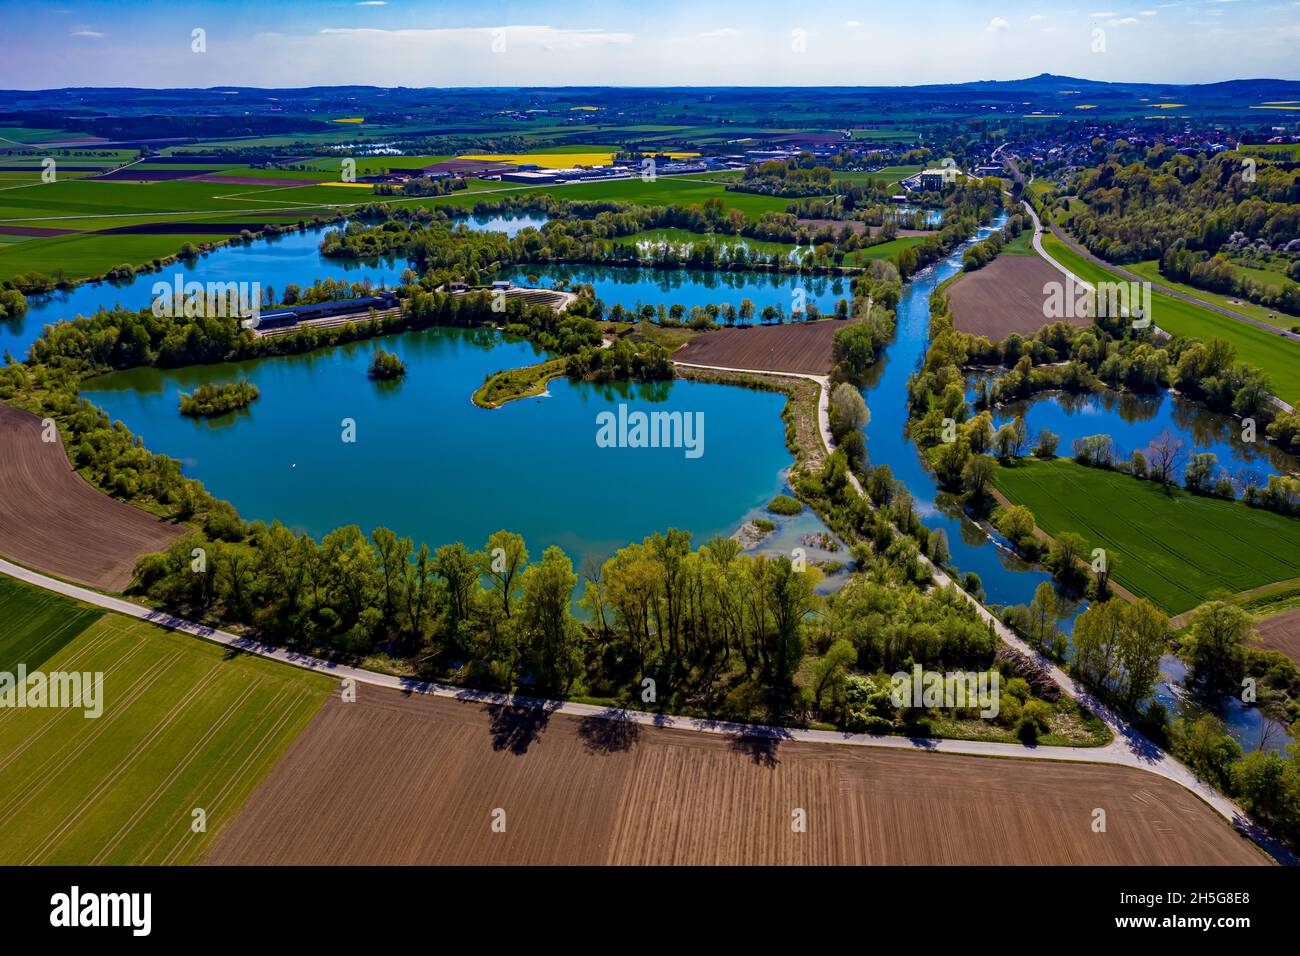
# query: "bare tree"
1164,455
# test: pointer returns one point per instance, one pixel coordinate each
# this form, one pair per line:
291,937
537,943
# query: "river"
977,547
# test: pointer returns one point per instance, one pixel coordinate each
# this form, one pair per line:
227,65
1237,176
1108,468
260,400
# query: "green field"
1269,278
1021,245
25,134
887,135
887,175
1169,546
82,257
90,206
669,190
1150,270
72,204
184,726
1274,151
1277,357
885,250
37,626
80,198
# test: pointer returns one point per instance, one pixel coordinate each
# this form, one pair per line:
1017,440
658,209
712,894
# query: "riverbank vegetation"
1086,359
1217,646
13,304
218,398
668,626
784,505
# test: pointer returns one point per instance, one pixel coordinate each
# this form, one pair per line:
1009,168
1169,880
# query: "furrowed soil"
1282,633
795,347
1005,296
51,519
397,779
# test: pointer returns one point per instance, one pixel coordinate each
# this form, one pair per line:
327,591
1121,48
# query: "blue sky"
653,43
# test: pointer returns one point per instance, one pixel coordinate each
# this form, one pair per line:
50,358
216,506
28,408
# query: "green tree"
503,563
1144,639
977,477
547,620
1216,647
829,672
848,411
1063,557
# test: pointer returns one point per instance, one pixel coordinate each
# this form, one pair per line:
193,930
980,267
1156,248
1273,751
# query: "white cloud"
996,24
722,32
1038,18
1121,22
854,24
86,33
372,3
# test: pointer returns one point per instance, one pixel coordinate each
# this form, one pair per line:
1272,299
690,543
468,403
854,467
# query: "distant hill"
1255,90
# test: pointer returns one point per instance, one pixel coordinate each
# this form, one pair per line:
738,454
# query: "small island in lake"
386,366
218,398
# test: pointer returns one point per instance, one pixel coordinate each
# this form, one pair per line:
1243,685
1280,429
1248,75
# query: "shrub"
386,366
1027,730
784,505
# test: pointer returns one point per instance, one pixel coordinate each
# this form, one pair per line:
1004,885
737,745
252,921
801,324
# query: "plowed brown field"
1282,633
52,520
1005,296
794,347
392,779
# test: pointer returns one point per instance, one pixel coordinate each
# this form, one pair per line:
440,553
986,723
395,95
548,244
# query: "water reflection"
1135,421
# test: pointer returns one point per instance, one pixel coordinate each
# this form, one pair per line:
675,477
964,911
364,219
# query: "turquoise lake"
431,465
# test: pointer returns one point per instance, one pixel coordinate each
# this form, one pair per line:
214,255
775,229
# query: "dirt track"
52,520
1282,633
1005,296
397,780
793,347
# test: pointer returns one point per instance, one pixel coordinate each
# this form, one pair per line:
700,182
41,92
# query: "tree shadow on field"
609,732
516,728
760,748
